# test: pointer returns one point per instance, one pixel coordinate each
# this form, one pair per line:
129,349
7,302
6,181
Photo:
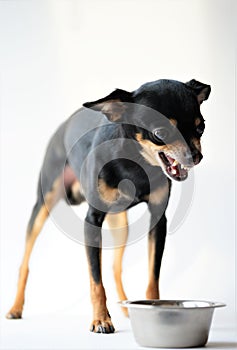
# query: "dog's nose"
197,156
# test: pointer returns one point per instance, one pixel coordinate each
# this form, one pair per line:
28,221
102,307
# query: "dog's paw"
99,326
14,314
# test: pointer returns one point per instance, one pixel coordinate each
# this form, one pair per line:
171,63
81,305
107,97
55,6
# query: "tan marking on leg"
108,194
153,285
118,223
16,310
57,192
101,316
159,195
50,200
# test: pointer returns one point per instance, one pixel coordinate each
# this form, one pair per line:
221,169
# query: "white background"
54,56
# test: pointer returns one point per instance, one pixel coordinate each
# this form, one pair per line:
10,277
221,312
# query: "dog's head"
167,121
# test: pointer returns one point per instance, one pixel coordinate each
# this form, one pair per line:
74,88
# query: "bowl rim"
163,304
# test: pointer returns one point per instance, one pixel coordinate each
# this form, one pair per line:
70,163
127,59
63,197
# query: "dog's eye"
161,133
200,130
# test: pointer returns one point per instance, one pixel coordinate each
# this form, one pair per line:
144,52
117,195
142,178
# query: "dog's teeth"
184,167
174,171
175,162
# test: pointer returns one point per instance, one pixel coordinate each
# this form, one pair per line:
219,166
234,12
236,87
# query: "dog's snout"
188,158
193,157
196,156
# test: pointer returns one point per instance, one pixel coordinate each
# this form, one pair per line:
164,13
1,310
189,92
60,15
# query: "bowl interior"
171,304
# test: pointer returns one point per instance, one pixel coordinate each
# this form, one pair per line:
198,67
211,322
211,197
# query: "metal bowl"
171,323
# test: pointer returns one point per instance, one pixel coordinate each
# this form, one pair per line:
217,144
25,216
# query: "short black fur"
112,154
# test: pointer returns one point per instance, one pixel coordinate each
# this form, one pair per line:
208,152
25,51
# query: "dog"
114,153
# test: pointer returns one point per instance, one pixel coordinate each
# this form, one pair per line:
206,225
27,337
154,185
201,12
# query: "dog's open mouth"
173,168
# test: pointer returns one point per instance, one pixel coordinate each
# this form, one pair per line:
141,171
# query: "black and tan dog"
145,138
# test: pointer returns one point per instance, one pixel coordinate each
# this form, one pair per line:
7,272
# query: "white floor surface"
57,331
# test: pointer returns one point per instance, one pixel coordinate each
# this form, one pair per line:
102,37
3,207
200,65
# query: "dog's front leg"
101,318
156,243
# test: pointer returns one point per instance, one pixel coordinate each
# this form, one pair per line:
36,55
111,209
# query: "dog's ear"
113,105
201,90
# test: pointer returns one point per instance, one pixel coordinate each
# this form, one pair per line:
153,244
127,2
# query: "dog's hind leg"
118,224
39,214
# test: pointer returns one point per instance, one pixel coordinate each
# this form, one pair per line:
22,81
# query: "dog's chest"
125,182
